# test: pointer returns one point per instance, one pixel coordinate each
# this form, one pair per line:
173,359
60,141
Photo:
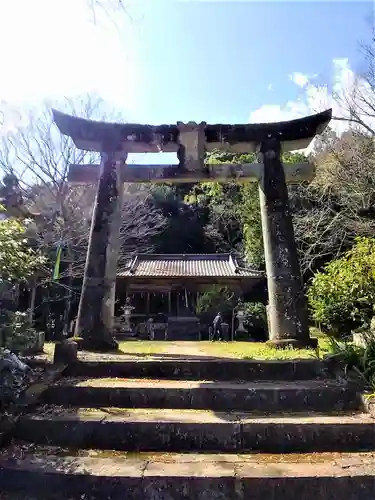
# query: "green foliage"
216,298
255,320
249,213
219,203
293,157
342,296
255,314
218,156
359,362
234,211
17,332
184,229
17,260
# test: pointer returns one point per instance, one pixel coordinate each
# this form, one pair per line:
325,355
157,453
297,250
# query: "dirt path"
184,349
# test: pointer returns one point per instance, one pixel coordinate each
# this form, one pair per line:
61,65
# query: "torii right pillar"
287,309
288,323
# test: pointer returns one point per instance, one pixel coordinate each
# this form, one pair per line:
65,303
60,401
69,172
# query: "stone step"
196,430
302,396
61,474
202,369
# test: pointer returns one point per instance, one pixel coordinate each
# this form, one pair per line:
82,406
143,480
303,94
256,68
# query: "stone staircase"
171,429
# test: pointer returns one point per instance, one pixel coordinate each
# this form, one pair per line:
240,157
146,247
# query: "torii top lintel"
92,135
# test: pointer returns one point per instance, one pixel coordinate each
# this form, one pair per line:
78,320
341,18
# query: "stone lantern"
127,311
241,331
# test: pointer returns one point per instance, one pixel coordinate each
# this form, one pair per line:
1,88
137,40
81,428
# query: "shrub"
359,361
17,333
18,261
342,296
216,298
255,319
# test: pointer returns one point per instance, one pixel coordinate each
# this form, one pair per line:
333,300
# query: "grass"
246,350
238,350
232,350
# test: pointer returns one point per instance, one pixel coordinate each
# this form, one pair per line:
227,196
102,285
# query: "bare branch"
40,156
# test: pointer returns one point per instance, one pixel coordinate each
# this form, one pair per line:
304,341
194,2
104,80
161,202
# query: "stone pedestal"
225,331
65,352
183,328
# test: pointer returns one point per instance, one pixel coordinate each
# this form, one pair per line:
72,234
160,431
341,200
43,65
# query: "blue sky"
218,61
182,60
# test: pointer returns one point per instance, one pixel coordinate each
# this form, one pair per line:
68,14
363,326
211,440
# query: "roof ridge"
183,256
224,265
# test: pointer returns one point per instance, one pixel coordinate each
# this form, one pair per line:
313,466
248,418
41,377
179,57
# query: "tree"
342,296
40,156
249,210
339,204
184,229
233,210
214,299
218,205
17,260
356,103
234,221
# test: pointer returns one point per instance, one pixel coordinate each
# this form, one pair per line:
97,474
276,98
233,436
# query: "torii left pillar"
95,313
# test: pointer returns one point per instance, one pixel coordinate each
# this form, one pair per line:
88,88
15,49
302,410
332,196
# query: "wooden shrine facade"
170,284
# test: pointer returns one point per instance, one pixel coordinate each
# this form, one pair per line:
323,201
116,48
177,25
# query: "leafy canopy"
17,260
234,208
342,296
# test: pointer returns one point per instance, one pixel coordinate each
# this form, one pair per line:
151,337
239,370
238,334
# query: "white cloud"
299,79
270,86
344,85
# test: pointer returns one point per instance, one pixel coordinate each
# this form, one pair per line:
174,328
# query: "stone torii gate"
288,317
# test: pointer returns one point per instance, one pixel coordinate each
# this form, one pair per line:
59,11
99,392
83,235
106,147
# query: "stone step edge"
77,487
210,436
190,416
215,396
188,465
148,487
145,384
219,369
126,360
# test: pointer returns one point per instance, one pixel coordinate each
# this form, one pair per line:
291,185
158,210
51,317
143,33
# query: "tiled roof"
188,265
